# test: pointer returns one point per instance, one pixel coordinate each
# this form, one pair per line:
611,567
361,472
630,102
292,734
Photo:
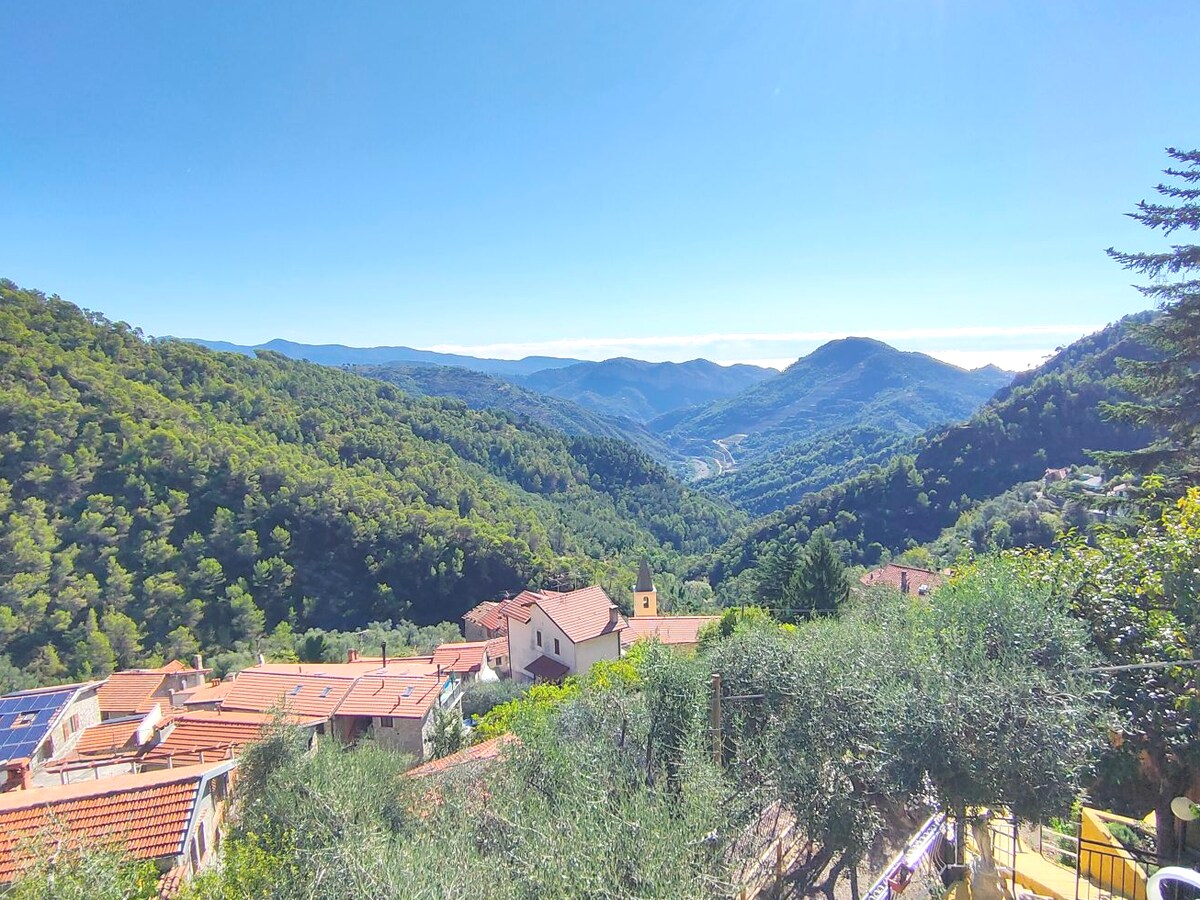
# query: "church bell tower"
645,598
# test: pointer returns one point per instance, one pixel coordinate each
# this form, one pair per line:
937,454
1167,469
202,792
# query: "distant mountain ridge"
644,390
850,387
1049,417
341,355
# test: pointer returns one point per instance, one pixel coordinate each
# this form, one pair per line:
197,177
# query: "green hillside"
482,391
1049,417
769,483
161,496
849,383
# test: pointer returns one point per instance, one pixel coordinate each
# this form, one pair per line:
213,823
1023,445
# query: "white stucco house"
552,635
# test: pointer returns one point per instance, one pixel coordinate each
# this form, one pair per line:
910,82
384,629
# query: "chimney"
171,698
383,652
612,614
197,661
261,660
352,655
903,582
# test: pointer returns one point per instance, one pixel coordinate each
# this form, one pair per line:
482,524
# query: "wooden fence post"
714,719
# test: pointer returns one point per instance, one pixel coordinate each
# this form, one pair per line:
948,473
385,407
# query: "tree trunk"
1166,845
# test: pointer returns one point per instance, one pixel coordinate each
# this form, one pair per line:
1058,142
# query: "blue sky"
667,180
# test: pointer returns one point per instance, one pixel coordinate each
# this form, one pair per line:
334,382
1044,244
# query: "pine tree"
1169,387
819,585
775,571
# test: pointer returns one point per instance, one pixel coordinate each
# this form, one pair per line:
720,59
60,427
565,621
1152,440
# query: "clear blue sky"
560,177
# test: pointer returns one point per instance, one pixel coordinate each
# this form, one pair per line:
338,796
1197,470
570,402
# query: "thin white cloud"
969,346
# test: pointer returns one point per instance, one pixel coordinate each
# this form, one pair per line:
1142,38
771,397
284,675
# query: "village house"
173,818
136,691
678,631
469,661
905,579
40,726
552,635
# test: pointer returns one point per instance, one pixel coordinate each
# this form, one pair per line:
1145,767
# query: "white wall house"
555,635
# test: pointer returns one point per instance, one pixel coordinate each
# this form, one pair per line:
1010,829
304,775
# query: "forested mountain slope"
643,390
482,391
1050,416
769,483
843,384
159,495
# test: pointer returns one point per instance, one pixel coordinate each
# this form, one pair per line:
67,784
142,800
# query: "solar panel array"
17,742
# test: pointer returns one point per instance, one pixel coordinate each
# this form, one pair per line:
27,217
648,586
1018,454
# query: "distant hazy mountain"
339,355
848,383
643,390
482,391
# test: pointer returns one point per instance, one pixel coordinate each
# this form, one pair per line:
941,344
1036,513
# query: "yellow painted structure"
1113,865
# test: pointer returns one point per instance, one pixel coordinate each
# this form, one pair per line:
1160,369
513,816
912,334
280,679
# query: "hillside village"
148,757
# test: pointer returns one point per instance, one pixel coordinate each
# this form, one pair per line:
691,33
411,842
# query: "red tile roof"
208,693
131,691
145,815
546,668
218,735
485,752
896,576
668,629
402,697
111,738
485,615
583,614
461,658
302,695
497,647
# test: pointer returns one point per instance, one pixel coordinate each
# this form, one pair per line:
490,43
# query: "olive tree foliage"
967,697
84,873
584,804
1138,591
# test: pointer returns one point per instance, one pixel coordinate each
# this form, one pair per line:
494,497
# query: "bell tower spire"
645,597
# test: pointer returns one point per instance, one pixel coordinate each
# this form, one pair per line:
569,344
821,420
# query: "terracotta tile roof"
145,815
668,629
131,691
218,734
900,577
518,607
208,693
335,670
546,668
497,647
461,658
485,752
303,695
174,666
485,615
111,738
582,614
403,697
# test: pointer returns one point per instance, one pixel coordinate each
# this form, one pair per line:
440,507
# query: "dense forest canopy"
156,496
1049,417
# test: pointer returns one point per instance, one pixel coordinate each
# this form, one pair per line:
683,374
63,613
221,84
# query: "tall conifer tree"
1170,386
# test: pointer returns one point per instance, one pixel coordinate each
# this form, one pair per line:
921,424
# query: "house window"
200,840
539,638
557,652
73,724
385,721
645,603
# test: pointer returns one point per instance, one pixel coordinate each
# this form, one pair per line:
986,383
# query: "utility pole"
714,719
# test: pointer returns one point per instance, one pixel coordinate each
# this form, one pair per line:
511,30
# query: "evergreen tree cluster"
157,498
